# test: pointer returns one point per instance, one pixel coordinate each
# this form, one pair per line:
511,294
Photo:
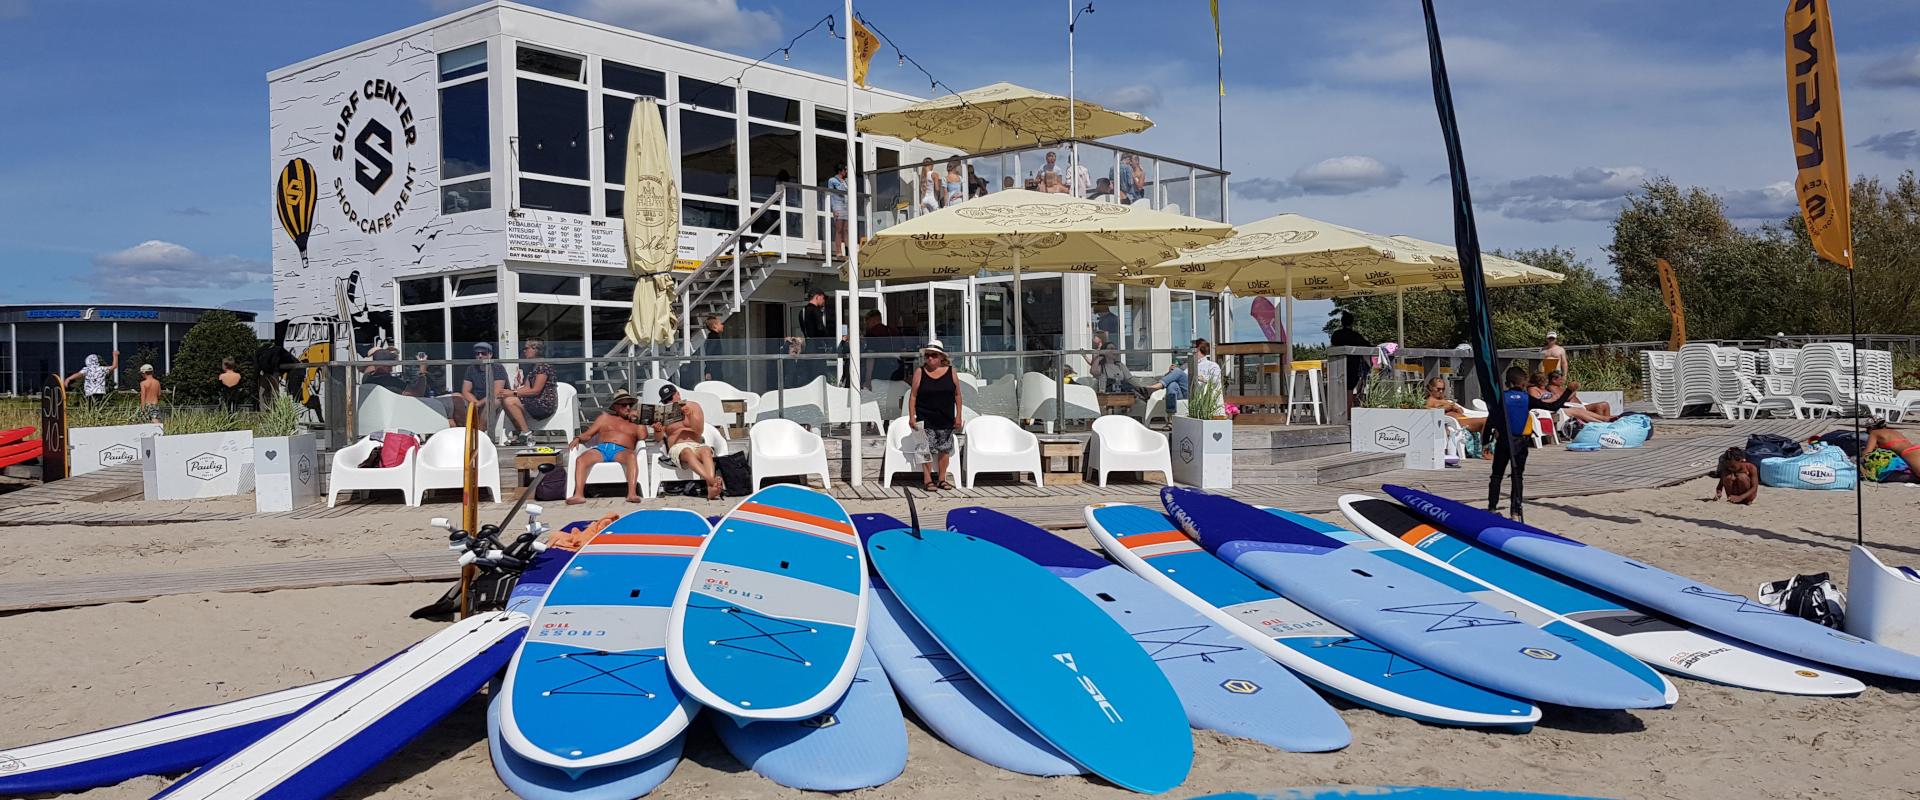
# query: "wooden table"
526,465
1071,451
738,408
1117,402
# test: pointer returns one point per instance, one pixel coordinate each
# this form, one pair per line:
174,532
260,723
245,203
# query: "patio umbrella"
652,217
1000,116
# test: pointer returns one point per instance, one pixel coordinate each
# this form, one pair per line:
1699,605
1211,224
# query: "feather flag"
1219,49
865,45
1670,292
1819,146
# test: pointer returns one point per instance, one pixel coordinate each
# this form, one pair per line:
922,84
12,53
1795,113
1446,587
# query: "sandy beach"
74,670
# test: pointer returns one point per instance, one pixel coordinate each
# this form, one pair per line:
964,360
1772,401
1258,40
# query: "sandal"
929,486
946,485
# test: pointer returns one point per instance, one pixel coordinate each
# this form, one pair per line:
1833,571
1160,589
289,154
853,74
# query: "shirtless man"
1553,352
619,439
686,441
149,394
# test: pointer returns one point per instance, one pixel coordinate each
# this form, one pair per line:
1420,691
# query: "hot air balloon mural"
293,200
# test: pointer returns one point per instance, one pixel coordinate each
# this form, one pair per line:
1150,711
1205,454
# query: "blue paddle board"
951,703
1727,612
770,620
1150,544
624,781
1677,647
589,686
1407,612
859,742
1225,685
1391,793
1467,585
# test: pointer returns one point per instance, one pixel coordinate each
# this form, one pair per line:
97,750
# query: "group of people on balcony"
936,187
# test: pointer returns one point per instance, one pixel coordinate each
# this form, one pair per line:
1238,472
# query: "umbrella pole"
1019,333
1400,316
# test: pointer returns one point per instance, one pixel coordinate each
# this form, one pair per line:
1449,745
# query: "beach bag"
1819,468
1813,598
553,485
916,449
736,473
394,447
1845,440
1629,431
1762,446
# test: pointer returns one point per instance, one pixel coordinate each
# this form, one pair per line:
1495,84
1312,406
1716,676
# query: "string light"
935,85
785,50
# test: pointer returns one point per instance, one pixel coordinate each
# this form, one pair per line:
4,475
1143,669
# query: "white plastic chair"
566,412
437,465
1455,448
1895,407
847,406
1155,406
803,404
349,476
996,444
610,471
1543,421
895,460
653,473
780,447
709,403
378,408
1122,443
727,391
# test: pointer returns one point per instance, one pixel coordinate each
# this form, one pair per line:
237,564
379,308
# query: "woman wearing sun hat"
933,407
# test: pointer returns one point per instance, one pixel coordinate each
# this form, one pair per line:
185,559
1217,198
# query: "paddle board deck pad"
589,686
770,620
163,745
1062,666
859,742
1391,793
1472,587
1150,544
1726,612
1883,602
1224,684
1407,612
1676,647
941,693
360,724
623,781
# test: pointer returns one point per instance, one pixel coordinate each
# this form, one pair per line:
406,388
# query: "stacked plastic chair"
1656,373
1817,374
1780,360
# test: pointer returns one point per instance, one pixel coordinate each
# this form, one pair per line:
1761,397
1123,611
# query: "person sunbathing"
1739,478
1437,398
619,437
1879,436
1597,411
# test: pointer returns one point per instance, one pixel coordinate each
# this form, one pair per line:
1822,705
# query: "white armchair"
1123,443
727,391
780,447
996,444
709,403
850,406
1155,406
653,473
566,412
609,471
437,464
349,476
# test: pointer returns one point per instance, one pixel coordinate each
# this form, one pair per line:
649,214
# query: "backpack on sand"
1810,597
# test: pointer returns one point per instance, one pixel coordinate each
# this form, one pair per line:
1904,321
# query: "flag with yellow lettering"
1219,48
1670,292
1819,146
865,45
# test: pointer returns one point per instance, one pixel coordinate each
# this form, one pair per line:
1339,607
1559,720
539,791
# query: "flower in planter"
1233,410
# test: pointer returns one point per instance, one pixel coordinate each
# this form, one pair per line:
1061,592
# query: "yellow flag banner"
1670,292
1819,146
1219,47
865,45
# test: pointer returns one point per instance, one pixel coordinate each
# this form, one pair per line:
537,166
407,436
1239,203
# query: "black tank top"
933,402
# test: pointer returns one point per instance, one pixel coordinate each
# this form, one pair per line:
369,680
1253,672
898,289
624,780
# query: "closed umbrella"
652,217
1001,116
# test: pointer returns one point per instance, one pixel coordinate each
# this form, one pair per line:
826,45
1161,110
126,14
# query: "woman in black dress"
933,406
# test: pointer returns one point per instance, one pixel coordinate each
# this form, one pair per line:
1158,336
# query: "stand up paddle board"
1149,543
1392,793
18,452
589,686
859,742
1064,668
1727,612
941,693
12,435
1676,647
333,741
624,781
1407,612
771,618
1225,685
1479,590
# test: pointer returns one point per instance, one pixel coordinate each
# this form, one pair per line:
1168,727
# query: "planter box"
1417,433
1203,452
195,465
96,448
286,472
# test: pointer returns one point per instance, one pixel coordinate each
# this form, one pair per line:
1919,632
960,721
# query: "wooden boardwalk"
112,483
351,571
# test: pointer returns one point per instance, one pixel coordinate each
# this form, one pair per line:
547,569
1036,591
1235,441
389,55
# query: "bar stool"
1310,397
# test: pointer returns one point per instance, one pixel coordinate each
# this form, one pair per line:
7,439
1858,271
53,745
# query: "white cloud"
1770,202
715,23
1137,97
163,271
1901,145
1340,175
1589,194
1902,70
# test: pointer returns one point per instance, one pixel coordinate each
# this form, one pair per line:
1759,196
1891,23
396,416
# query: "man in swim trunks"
684,433
619,438
149,394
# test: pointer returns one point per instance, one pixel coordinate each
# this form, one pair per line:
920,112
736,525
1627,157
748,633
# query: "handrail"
1058,142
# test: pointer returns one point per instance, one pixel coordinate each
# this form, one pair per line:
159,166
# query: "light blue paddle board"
1477,590
1072,674
770,620
1391,793
1727,612
622,781
1225,685
1150,544
1407,612
947,699
1677,647
589,686
860,742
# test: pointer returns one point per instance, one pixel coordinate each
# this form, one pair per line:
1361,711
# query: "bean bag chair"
1632,430
1820,467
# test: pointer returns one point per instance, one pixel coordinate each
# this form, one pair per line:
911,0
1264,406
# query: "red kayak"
22,451
15,435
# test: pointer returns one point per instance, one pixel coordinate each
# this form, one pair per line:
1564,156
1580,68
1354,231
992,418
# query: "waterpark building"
41,339
460,181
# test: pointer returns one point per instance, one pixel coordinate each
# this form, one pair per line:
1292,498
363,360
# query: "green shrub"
1385,392
196,368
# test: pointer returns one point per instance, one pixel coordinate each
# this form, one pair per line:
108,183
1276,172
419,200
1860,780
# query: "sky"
133,162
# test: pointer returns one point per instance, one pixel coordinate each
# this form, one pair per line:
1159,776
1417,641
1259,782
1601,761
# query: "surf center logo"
1240,686
305,469
370,143
206,466
9,764
1540,653
114,455
1817,474
1391,438
1099,698
1186,449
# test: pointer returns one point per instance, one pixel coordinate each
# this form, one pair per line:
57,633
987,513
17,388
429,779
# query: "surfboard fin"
913,512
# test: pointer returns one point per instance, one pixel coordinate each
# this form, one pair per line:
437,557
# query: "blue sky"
135,168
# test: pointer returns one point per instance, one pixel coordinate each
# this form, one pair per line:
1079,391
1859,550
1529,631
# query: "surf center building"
460,181
38,340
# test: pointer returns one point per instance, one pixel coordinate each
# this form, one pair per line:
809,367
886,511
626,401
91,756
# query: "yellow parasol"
1000,116
652,218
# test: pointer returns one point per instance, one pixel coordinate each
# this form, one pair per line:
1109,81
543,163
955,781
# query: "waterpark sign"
92,313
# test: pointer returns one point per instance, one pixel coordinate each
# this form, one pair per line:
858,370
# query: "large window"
562,327
473,325
553,129
465,131
707,155
710,96
550,196
708,214
616,114
770,107
773,157
463,61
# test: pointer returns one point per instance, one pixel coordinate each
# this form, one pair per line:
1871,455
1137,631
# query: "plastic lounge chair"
895,459
780,447
1122,443
1894,407
437,464
349,476
653,473
841,408
996,444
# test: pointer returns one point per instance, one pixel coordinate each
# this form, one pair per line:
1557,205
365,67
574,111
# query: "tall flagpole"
852,320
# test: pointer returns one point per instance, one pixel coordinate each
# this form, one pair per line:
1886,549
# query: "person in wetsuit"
1516,407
